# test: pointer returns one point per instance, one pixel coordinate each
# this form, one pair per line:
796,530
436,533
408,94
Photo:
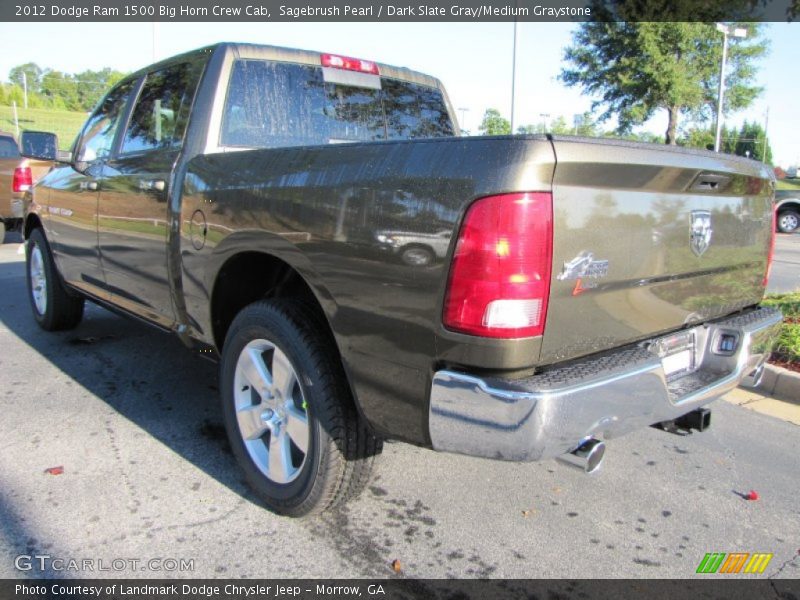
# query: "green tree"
752,141
31,71
494,124
637,68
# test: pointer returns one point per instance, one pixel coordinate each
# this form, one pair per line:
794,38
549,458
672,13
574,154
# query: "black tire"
61,309
417,256
788,221
341,451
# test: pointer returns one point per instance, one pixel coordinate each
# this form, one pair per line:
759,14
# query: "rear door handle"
89,185
152,185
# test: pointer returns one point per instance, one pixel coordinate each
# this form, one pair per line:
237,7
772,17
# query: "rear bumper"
606,396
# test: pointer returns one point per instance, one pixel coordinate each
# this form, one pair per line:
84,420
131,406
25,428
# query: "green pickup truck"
253,200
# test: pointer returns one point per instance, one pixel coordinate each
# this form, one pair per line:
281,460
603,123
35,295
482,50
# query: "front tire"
289,412
788,221
54,308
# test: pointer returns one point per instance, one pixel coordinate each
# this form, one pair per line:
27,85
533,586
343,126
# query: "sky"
473,60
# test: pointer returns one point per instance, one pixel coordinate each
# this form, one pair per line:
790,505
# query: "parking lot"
133,419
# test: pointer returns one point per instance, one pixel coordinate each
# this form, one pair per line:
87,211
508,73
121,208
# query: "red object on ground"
753,495
54,470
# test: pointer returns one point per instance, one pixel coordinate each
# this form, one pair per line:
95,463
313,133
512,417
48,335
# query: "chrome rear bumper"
605,396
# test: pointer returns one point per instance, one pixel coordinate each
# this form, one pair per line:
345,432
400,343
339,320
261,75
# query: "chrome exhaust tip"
591,453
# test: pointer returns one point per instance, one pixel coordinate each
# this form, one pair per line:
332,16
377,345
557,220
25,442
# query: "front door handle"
89,185
152,185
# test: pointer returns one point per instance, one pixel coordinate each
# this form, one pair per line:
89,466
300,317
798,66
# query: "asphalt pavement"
785,276
131,422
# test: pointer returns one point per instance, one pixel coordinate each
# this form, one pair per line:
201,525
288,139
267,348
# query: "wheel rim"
788,222
38,280
271,411
417,256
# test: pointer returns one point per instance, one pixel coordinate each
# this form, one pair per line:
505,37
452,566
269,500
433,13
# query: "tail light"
771,252
499,281
23,179
349,64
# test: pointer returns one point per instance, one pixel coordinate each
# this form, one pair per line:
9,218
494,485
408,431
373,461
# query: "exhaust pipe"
591,454
697,420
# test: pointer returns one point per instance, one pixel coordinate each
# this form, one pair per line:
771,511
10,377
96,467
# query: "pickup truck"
17,175
235,196
787,209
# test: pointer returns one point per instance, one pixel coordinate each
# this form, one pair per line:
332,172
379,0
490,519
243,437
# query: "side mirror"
41,145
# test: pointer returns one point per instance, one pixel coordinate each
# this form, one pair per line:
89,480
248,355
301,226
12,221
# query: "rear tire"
54,308
289,412
2,231
788,221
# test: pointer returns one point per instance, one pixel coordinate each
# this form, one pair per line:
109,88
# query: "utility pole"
513,73
25,90
725,31
463,111
766,128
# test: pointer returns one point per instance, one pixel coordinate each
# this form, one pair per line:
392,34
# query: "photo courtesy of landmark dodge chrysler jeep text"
256,201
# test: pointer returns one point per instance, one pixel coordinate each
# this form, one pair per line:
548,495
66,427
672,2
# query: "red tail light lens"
349,64
771,253
23,179
500,278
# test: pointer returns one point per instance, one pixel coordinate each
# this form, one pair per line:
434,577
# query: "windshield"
272,104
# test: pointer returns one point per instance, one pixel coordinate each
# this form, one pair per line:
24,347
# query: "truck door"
74,191
133,209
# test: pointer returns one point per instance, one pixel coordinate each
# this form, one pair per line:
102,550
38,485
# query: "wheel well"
251,276
795,206
31,223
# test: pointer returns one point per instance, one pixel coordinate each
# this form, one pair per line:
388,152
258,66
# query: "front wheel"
788,221
289,412
54,308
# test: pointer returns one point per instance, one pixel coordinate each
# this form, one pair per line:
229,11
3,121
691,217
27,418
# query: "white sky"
472,59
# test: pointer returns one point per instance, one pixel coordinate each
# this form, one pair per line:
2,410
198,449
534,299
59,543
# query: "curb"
780,383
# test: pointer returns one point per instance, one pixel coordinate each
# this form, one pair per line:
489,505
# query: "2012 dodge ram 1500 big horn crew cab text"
236,194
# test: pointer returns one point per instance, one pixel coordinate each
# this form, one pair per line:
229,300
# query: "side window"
161,113
98,133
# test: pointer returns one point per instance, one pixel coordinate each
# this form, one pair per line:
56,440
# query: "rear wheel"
289,412
788,221
54,308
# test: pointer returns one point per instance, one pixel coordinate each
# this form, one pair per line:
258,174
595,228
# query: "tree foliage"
54,89
494,123
636,69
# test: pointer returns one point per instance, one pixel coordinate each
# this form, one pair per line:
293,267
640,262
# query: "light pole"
725,31
544,117
463,118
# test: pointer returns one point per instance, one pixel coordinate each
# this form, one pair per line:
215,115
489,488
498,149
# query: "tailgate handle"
710,182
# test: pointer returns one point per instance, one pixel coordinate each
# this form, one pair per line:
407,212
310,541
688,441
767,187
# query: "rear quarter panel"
320,209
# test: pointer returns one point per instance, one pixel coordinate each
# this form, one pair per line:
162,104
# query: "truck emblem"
583,265
700,231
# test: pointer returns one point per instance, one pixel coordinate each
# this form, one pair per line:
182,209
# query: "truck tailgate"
649,239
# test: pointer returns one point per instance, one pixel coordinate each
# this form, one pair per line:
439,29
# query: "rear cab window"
273,104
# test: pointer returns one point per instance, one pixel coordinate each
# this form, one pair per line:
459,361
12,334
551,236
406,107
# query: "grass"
787,348
788,184
65,124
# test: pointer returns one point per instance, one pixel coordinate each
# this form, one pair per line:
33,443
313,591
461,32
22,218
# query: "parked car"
556,318
787,208
17,175
414,247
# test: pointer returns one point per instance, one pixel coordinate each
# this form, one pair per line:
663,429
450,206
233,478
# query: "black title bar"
397,10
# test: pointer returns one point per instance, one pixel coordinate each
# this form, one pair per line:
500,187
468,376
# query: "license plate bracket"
678,353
